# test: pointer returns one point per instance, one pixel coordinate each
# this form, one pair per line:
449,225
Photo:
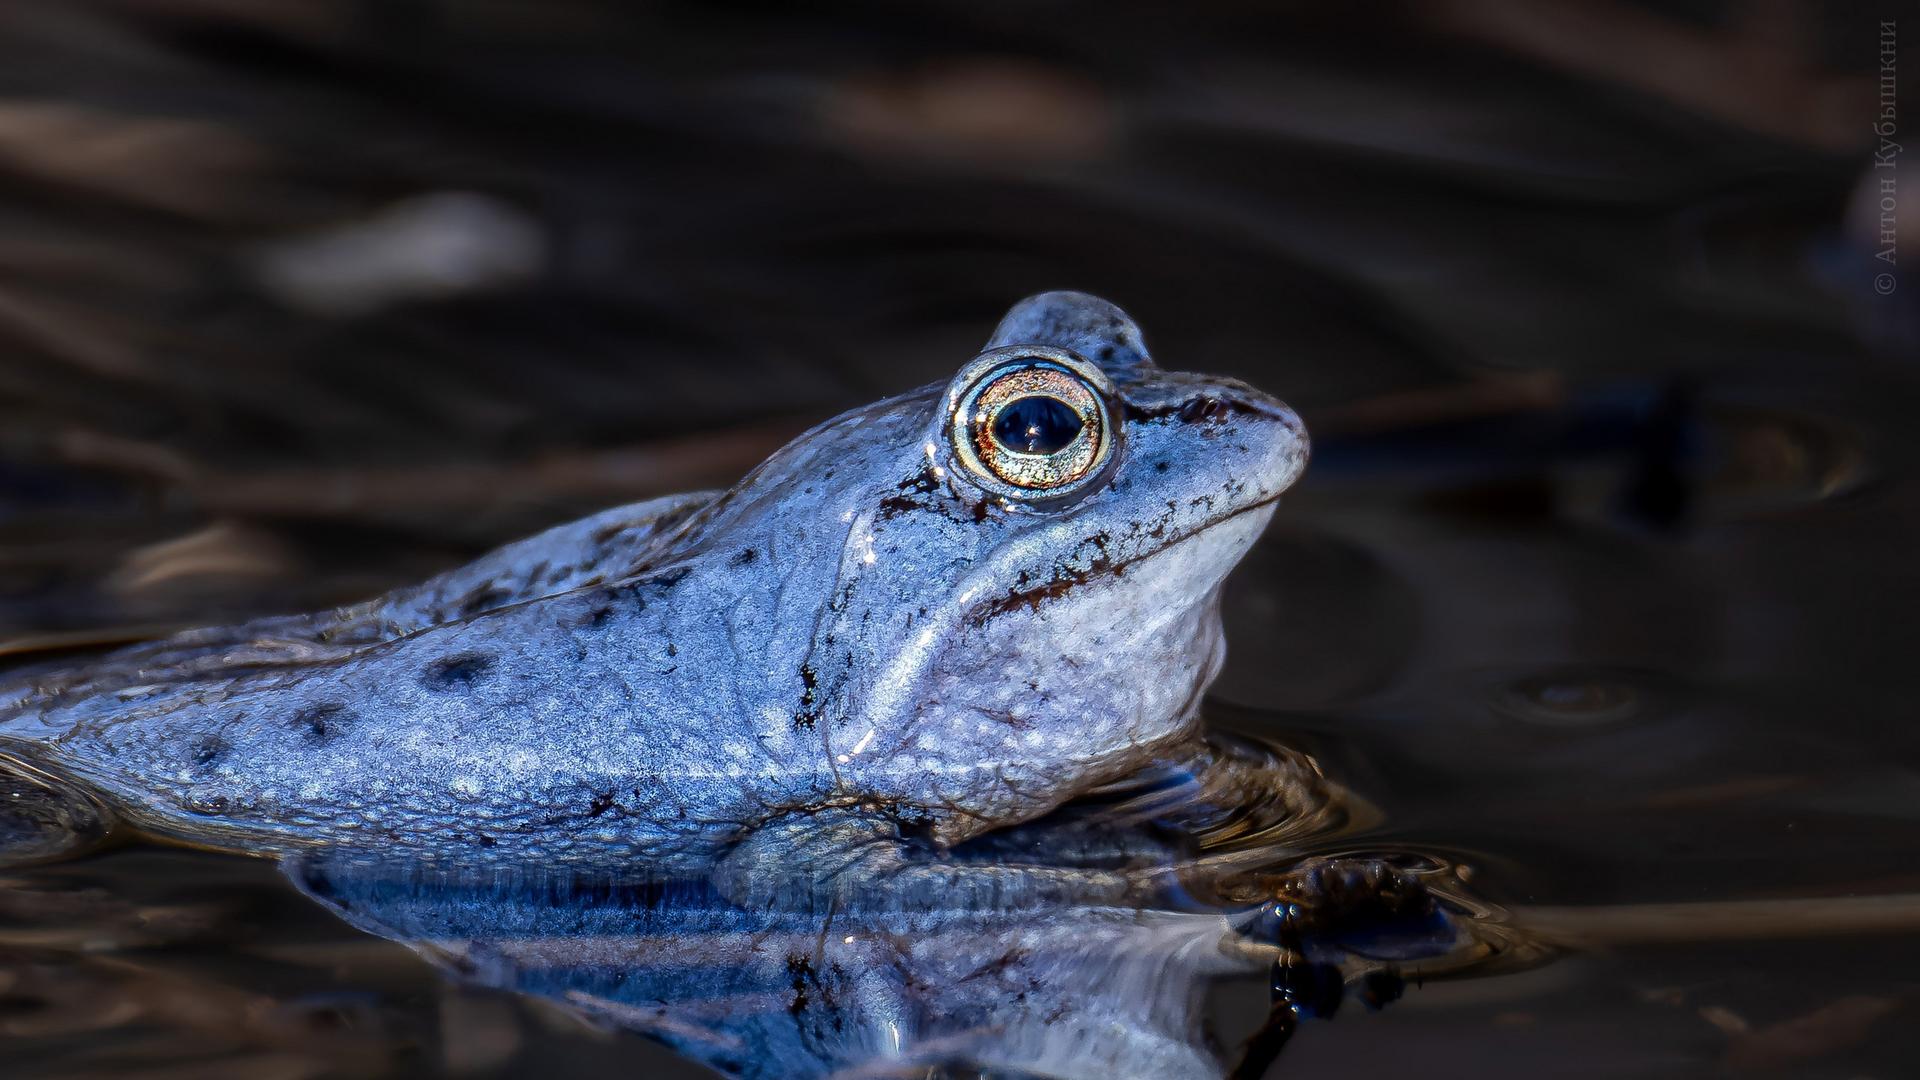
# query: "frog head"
1004,590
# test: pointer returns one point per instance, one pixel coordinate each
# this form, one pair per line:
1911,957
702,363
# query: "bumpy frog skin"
865,627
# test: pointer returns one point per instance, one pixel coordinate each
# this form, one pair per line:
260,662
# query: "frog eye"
1032,423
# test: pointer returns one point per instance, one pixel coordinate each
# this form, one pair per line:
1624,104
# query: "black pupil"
1036,425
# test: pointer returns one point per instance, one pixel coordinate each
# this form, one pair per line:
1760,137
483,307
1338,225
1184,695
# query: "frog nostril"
1209,410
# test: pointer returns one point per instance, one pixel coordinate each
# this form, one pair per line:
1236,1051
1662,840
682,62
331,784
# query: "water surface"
1598,593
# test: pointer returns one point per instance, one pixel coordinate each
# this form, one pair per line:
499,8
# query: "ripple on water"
43,818
1569,699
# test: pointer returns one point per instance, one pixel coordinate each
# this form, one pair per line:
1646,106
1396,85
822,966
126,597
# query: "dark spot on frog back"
638,594
809,713
802,973
481,599
207,749
323,721
456,672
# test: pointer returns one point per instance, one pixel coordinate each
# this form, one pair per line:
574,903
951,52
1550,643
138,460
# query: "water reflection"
1081,945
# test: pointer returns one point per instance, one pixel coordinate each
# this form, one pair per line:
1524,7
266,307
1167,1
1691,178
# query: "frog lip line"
1062,585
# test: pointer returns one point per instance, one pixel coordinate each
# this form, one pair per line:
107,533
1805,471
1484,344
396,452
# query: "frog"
945,613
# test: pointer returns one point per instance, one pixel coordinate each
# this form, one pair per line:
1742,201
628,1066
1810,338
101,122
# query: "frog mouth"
1065,579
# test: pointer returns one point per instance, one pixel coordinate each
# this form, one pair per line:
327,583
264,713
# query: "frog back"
597,548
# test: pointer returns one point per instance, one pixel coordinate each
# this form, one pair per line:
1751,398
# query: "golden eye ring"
1033,423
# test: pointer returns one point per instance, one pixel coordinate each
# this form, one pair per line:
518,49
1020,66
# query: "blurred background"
1602,580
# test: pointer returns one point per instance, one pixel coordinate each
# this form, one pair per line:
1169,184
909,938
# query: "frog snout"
1265,427
1289,447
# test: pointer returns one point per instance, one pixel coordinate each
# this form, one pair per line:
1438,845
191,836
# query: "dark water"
1599,590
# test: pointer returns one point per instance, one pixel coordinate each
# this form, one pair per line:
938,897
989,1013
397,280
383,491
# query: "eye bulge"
1033,423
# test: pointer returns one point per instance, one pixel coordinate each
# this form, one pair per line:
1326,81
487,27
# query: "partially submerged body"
948,612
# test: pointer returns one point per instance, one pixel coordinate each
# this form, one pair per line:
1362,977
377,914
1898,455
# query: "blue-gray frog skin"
865,624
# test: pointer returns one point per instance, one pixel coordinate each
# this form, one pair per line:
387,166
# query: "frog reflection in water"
1063,982
945,613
